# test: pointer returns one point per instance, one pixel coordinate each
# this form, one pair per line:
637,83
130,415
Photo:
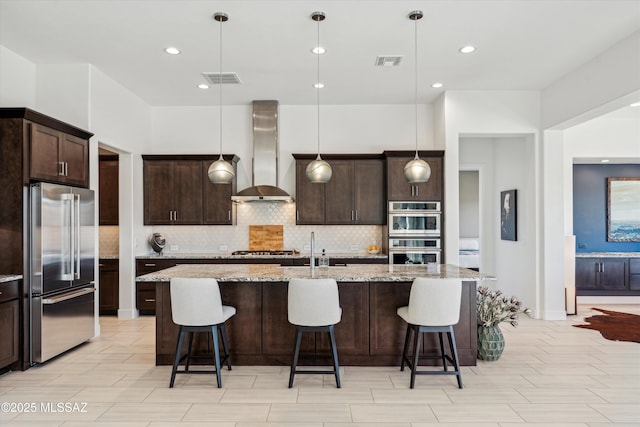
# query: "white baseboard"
130,313
608,299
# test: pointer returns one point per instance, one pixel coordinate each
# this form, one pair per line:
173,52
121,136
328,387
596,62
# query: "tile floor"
551,374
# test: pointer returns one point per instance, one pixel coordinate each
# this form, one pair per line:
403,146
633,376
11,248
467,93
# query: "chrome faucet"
312,258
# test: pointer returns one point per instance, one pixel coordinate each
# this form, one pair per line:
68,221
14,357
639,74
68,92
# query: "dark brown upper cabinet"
399,189
177,191
354,195
108,190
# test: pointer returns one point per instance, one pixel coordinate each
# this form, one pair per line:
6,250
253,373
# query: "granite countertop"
178,255
607,254
350,273
109,256
9,277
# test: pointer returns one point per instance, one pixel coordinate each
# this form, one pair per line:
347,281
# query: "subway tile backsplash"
226,239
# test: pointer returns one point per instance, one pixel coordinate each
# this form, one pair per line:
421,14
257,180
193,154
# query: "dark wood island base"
369,334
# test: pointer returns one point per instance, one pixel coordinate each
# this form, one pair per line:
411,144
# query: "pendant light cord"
318,84
220,92
415,63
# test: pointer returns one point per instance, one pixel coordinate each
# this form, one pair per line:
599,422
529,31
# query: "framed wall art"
508,215
623,209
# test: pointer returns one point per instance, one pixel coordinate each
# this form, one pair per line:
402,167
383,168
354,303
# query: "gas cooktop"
262,253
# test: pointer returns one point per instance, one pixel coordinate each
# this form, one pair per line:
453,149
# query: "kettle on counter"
157,242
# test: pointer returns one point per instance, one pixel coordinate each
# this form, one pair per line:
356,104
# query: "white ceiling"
521,45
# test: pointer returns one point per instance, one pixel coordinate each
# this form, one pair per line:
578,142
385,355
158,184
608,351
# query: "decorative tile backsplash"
224,239
109,244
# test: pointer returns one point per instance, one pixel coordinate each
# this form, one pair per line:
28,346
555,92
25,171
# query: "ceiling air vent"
388,61
222,78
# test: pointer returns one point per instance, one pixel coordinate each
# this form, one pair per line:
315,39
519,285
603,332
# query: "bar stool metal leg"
296,353
442,353
416,354
225,344
176,361
406,347
216,354
336,367
454,352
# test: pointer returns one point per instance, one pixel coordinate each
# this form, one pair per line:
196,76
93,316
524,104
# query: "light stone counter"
181,255
349,273
9,277
607,254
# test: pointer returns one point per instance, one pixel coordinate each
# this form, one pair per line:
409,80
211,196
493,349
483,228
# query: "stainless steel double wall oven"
414,232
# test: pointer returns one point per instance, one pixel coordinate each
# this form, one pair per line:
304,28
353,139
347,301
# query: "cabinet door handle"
66,169
229,215
602,267
352,215
149,300
412,190
297,215
61,168
149,265
356,214
417,190
175,215
100,265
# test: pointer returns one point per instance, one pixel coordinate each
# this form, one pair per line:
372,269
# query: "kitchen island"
369,334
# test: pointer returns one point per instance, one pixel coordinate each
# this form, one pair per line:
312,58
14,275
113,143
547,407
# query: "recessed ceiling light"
318,85
436,85
172,50
604,161
203,86
467,49
318,50
635,104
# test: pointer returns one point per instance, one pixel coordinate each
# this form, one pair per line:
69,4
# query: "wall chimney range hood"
265,157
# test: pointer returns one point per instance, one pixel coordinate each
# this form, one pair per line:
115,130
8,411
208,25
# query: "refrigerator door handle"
76,271
68,296
68,274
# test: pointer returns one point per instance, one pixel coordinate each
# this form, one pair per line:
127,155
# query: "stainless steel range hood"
265,157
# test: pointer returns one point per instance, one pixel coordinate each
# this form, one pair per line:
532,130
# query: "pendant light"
318,171
221,171
416,171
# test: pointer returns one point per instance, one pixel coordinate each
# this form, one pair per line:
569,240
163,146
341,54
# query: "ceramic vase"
490,342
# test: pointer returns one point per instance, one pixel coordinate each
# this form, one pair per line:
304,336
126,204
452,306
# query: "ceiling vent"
388,61
222,78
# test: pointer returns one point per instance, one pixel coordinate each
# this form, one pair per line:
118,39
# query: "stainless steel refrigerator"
62,265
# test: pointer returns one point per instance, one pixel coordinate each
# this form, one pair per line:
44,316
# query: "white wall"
122,121
604,80
505,125
469,203
612,136
17,80
344,129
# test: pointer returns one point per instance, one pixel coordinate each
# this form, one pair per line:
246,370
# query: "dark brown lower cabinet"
607,276
9,323
370,332
146,298
109,286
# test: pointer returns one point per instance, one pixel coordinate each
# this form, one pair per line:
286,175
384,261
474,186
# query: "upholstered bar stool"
196,306
314,306
434,306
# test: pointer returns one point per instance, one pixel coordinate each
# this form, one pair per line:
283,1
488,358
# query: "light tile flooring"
551,374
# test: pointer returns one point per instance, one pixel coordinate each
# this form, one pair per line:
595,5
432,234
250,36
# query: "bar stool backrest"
435,302
196,302
313,302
